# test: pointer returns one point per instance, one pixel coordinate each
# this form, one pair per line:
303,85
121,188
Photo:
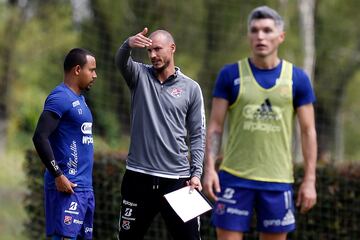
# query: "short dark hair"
76,56
265,12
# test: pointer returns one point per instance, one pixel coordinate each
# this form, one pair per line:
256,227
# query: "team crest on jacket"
67,220
176,92
126,224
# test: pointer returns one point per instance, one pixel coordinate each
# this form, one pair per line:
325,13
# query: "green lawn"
12,190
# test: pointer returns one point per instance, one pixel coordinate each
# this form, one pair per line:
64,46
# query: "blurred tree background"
36,34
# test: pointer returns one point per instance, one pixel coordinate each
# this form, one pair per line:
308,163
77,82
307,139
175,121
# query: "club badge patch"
220,209
125,225
67,220
176,92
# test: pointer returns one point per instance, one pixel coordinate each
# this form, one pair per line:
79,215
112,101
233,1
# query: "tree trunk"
307,11
7,49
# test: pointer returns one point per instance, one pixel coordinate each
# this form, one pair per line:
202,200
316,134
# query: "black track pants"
143,198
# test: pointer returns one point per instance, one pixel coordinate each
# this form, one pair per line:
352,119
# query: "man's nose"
260,35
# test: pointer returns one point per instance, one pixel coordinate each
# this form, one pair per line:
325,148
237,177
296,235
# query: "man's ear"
282,36
77,69
173,48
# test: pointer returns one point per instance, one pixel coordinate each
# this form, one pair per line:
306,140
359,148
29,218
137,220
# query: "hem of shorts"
218,225
288,230
60,235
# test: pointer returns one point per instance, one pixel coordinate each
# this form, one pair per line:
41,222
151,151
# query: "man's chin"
88,88
262,53
159,68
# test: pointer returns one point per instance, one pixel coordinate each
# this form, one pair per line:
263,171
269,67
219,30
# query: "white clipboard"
188,204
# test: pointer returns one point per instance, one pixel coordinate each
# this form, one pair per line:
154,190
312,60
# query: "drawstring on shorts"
156,182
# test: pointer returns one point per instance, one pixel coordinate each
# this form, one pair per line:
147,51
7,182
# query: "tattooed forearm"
214,145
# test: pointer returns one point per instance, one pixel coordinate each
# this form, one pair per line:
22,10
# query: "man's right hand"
211,184
64,185
140,40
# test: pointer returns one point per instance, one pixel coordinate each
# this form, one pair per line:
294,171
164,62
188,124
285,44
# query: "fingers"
212,194
300,203
70,190
144,32
195,183
209,191
64,185
211,184
305,203
217,187
306,196
198,186
66,189
140,40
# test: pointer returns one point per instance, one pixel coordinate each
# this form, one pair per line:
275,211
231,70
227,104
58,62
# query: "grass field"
12,190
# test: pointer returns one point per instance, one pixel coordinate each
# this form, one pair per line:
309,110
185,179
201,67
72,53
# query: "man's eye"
268,30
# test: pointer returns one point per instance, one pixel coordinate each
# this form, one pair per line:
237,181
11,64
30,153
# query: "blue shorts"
234,210
69,215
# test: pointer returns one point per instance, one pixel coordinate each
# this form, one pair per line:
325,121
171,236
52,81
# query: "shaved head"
164,34
161,52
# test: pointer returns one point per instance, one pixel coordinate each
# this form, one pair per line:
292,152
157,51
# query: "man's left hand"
306,196
194,182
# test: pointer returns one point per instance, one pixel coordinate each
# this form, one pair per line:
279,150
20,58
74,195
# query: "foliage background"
36,34
333,218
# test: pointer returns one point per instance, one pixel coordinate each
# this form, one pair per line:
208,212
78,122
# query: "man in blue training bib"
64,141
260,96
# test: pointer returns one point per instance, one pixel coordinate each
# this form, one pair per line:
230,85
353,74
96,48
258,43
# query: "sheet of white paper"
187,204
